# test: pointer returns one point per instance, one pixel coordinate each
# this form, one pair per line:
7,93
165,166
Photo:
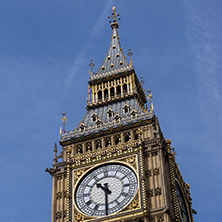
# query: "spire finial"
130,55
113,18
91,65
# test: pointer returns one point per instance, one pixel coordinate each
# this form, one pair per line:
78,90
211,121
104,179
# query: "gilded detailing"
132,209
95,131
68,188
142,173
104,154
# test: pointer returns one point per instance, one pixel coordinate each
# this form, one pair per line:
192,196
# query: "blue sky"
45,50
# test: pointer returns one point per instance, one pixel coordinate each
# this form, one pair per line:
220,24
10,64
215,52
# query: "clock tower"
116,165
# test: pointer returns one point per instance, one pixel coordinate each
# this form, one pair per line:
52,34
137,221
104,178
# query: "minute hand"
107,191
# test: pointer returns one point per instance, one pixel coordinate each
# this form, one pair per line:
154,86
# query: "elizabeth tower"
116,165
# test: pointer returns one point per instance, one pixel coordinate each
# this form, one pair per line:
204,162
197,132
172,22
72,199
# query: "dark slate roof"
116,107
115,61
87,126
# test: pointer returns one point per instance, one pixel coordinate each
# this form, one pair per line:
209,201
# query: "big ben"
116,165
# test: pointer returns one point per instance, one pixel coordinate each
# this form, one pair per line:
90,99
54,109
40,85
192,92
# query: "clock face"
181,204
105,189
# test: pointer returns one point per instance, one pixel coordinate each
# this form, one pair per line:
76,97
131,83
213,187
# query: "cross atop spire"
113,19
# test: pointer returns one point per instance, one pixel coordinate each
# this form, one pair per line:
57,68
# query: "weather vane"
64,122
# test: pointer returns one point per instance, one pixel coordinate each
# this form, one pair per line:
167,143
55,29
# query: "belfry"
116,165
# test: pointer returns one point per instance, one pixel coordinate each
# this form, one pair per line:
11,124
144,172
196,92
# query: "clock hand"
107,191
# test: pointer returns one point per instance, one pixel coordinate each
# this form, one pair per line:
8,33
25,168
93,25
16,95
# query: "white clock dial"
106,189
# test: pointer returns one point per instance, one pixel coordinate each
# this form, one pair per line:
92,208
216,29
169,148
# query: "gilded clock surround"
130,161
119,127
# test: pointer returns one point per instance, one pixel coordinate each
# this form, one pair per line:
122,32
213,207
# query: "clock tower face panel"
105,190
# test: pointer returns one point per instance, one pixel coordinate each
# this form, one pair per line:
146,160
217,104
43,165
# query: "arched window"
98,144
126,137
112,93
79,148
110,113
107,141
100,95
106,93
82,127
125,108
117,139
133,114
89,146
125,89
136,137
117,117
94,117
118,90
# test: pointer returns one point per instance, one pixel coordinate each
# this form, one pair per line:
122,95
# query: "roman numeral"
88,202
96,207
124,194
86,194
105,173
117,202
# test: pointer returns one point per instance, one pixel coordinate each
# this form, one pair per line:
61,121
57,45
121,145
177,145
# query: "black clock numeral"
126,185
124,194
96,178
106,173
86,194
88,202
117,202
96,207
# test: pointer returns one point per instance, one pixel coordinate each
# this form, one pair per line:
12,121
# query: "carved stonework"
59,195
152,219
156,171
131,161
150,193
133,205
58,215
158,191
154,153
78,217
148,173
64,194
160,219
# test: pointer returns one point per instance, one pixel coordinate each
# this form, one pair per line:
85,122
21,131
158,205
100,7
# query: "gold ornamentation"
134,204
63,121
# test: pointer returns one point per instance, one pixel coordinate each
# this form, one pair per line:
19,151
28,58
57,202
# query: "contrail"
81,57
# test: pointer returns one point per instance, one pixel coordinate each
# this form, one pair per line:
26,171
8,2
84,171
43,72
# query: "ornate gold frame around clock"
132,162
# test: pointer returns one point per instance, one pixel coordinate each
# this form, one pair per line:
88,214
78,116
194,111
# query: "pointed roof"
115,61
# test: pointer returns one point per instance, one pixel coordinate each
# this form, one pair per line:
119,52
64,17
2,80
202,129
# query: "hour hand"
98,185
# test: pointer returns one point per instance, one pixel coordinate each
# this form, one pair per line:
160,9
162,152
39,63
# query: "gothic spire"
115,62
